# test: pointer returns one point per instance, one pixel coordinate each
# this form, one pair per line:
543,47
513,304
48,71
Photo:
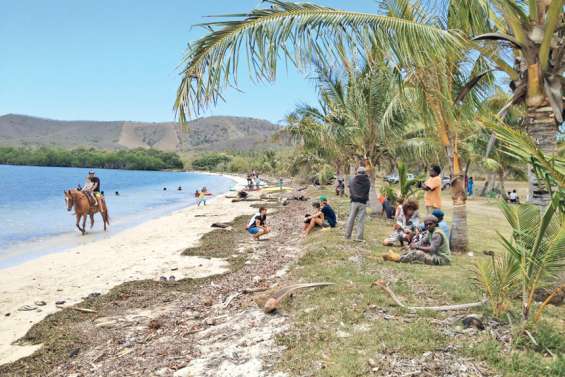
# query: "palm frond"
296,32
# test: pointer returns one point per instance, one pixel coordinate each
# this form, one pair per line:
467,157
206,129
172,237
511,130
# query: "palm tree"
534,33
406,31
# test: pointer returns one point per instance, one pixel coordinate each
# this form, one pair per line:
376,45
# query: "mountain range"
217,133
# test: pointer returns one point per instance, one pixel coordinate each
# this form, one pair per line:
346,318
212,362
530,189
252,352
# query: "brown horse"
81,204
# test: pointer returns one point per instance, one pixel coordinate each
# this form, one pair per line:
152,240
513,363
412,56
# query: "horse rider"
92,187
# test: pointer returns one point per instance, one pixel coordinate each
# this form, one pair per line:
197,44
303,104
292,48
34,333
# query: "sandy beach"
147,251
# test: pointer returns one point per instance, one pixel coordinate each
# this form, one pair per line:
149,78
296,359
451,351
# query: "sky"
119,60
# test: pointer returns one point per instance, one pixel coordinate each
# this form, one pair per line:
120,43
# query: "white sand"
146,251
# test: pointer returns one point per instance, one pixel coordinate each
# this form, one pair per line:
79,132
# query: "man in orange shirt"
432,186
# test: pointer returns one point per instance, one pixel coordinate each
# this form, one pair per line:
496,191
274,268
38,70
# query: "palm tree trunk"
459,237
501,184
374,204
542,128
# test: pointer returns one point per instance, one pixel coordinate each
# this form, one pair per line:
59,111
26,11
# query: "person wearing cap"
432,249
330,219
442,224
359,194
92,187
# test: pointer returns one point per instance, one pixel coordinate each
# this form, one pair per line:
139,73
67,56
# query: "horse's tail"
105,214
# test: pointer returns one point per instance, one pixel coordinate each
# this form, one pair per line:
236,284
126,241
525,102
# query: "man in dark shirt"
359,193
329,214
92,187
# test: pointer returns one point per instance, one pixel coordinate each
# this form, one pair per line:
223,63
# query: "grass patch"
337,329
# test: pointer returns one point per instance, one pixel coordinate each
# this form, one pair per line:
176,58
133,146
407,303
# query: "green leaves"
300,34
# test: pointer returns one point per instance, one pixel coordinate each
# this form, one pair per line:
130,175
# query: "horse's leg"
103,219
78,223
91,220
84,224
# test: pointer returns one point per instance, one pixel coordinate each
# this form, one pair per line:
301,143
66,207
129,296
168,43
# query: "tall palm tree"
533,32
405,30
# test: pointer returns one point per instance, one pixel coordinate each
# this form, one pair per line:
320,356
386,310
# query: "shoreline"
146,251
36,246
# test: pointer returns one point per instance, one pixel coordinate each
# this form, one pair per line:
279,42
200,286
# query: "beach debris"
74,352
381,284
82,310
60,302
163,278
275,299
40,303
172,278
472,320
174,268
93,295
27,308
230,298
254,290
154,324
220,225
7,314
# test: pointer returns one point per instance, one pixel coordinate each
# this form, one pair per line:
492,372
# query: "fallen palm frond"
381,284
275,299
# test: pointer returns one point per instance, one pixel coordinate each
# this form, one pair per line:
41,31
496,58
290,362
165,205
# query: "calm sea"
34,220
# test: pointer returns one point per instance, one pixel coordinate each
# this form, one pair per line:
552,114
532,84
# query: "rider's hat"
91,172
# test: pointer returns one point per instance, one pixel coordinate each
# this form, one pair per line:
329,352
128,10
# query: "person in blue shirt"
442,224
330,218
323,217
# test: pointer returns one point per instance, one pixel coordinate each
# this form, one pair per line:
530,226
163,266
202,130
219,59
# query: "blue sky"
118,59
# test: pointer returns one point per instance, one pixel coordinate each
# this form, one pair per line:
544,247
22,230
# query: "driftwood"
228,300
254,290
381,284
245,200
82,310
275,299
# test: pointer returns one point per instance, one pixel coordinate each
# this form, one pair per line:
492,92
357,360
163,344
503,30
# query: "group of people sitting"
423,242
323,217
426,242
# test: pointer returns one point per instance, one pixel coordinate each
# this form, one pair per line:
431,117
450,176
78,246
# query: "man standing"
359,193
432,186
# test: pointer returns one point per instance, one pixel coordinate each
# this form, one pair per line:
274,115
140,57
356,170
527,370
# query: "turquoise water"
34,219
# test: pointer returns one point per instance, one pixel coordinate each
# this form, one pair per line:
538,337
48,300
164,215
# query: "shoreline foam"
145,251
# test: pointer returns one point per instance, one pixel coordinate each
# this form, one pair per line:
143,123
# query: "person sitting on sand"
432,249
329,214
324,217
257,226
407,222
311,221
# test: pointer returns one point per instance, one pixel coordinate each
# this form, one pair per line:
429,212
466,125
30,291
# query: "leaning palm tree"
300,33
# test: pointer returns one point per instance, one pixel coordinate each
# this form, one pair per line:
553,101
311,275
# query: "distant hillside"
219,133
